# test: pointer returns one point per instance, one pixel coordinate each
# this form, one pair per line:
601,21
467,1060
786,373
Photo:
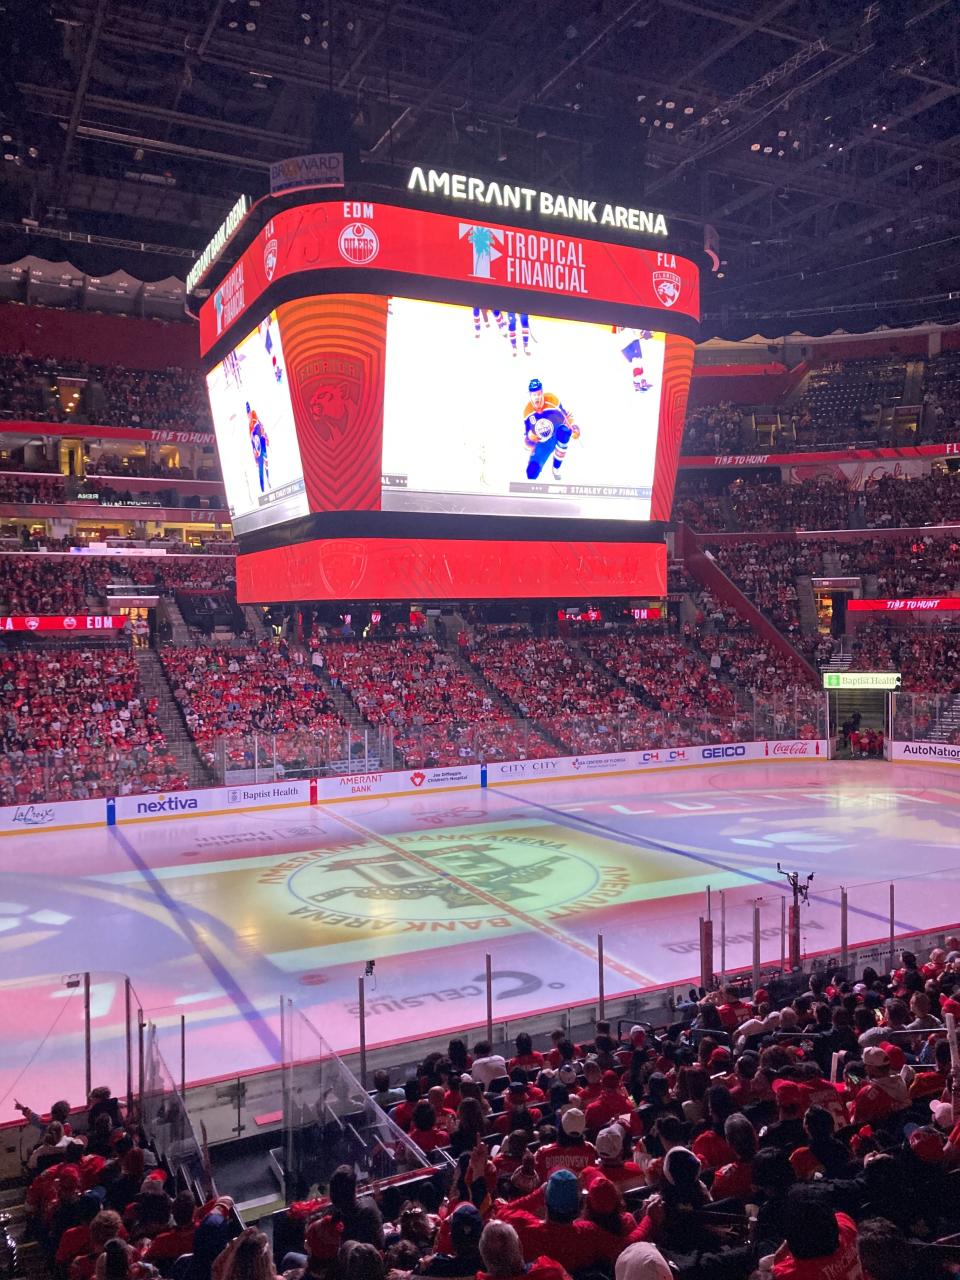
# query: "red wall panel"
96,338
354,569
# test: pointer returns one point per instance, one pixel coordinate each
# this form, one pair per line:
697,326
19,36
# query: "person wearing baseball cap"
548,1223
611,1164
882,1094
463,1259
571,1149
605,1208
786,1131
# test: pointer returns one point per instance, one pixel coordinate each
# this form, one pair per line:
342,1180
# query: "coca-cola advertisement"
794,747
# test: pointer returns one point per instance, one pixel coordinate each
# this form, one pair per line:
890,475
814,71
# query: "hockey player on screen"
484,313
259,442
547,430
512,318
629,341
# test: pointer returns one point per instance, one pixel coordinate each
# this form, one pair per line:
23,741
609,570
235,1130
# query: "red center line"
505,908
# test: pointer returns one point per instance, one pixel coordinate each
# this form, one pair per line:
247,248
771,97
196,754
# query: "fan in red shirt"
606,1210
424,1131
819,1245
734,1180
711,1147
526,1057
610,1105
560,1233
570,1151
516,1114
503,1259
733,1010
167,1246
611,1164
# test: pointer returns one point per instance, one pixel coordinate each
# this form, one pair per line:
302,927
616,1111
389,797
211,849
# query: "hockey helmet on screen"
536,393
535,385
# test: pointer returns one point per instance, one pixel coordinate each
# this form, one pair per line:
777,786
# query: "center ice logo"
447,881
483,242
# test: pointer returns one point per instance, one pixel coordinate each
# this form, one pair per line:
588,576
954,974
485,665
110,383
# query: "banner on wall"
857,475
656,758
949,449
75,622
925,752
919,604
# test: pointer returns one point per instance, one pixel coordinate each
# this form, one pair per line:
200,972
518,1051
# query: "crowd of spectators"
715,429
805,1135
170,399
927,655
55,584
111,465
28,488
76,724
767,573
230,696
39,584
803,1138
768,505
440,714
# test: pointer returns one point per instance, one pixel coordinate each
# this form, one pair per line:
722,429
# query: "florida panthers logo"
331,404
666,285
270,258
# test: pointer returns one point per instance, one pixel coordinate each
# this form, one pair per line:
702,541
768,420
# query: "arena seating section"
76,724
636,1145
169,399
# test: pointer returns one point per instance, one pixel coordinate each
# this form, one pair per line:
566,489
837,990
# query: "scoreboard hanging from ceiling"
410,404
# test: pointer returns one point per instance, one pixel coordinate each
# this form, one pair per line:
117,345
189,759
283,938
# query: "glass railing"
926,717
329,1119
166,1120
236,759
492,737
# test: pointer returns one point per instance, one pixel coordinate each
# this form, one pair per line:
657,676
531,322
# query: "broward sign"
297,172
548,204
861,679
221,237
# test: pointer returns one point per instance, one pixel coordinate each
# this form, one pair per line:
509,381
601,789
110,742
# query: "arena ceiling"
820,138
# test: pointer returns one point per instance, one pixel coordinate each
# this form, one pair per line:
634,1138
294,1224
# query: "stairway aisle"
156,685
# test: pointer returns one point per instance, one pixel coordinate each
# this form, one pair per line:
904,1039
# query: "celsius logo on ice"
167,804
359,243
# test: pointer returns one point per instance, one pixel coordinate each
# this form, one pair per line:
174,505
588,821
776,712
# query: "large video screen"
256,432
495,412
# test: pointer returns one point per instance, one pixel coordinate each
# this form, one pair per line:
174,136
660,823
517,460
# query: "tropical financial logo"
441,882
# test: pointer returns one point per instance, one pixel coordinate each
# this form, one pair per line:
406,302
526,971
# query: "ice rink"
217,918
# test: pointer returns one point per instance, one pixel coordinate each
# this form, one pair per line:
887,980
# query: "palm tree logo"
483,241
